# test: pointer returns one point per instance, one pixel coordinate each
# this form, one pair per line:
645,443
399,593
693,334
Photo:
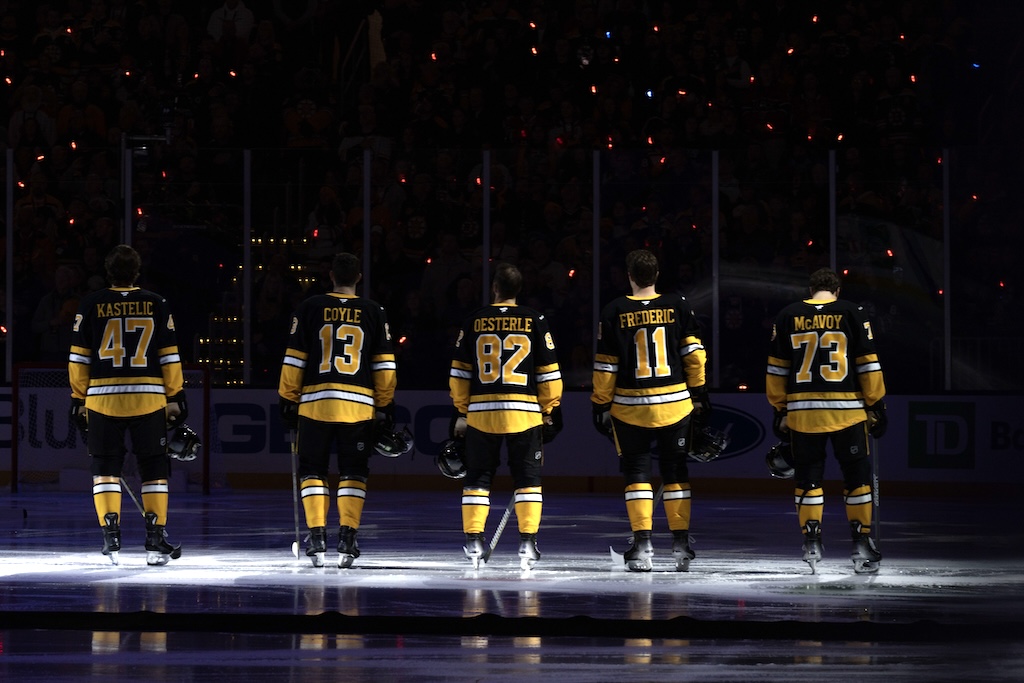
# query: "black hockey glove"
79,416
289,413
384,419
177,409
877,420
552,428
779,426
457,426
701,407
603,419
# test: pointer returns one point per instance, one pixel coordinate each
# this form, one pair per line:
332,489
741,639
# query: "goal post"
45,445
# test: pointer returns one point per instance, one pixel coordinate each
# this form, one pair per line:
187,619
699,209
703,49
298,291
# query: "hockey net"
48,452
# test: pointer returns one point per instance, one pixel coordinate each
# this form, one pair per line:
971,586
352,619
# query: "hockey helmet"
392,443
780,460
184,444
449,460
708,444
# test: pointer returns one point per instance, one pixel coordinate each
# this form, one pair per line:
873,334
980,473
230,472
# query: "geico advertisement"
961,438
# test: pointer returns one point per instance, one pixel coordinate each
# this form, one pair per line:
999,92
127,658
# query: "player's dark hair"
642,266
346,269
508,281
824,280
123,265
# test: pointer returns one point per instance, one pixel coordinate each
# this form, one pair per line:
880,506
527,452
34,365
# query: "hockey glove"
384,419
177,409
779,426
701,407
877,420
603,419
289,413
79,416
552,425
457,426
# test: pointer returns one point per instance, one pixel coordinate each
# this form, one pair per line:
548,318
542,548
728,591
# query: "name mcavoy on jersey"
124,308
823,321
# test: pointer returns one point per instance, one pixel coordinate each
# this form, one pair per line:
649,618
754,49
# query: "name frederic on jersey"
654,316
822,321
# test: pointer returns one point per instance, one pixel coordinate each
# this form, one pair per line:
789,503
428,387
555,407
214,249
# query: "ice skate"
640,556
812,545
865,556
158,550
528,553
317,545
348,547
682,553
475,549
111,537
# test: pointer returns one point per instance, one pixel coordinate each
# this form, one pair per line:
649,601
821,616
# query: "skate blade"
157,559
526,563
640,565
618,561
812,563
317,559
682,564
345,561
113,557
865,567
295,550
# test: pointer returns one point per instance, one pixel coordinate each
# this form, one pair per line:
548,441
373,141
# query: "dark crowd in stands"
655,86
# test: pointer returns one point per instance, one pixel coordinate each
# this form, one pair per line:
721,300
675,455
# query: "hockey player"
648,381
506,387
825,384
126,379
336,391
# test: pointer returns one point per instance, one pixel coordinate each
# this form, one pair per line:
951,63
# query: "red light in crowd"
839,137
572,272
814,19
533,24
8,80
913,78
681,93
428,260
790,51
888,252
401,340
433,56
534,49
693,226
478,181
195,75
21,184
593,89
40,157
662,160
810,243
559,141
138,211
71,221
127,74
939,161
742,387
3,329
316,232
941,292
846,271
974,197
1002,284
163,174
769,126
903,36
232,73
650,140
751,79
655,28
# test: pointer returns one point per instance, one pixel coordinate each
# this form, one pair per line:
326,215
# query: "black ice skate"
317,545
640,556
475,549
812,544
528,553
348,547
682,553
111,537
865,556
158,550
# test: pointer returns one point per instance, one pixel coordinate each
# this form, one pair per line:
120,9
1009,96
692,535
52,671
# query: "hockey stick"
295,492
618,559
501,527
875,493
131,494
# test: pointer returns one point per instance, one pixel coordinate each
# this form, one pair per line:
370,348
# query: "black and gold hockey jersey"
124,352
339,364
649,353
822,365
504,375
